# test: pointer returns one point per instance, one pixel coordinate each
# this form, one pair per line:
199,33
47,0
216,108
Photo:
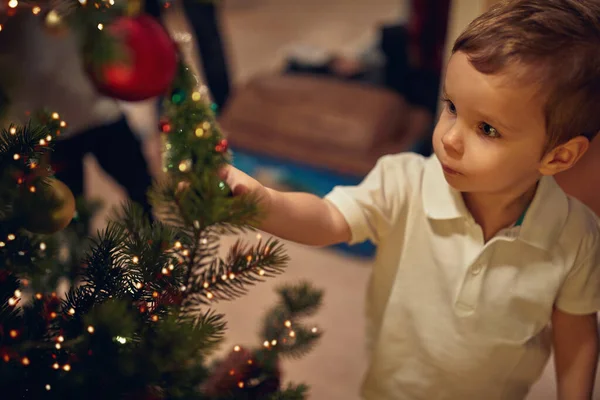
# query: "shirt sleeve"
580,293
371,207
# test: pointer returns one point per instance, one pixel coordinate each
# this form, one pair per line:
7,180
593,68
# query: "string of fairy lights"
52,13
60,340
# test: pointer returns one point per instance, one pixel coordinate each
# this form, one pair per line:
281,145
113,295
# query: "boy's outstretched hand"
300,217
241,183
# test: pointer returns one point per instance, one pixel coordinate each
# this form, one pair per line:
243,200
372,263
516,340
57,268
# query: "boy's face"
491,133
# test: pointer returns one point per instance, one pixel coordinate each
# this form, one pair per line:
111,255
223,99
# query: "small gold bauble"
48,209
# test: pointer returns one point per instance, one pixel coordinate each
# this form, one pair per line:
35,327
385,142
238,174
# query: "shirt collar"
541,225
440,200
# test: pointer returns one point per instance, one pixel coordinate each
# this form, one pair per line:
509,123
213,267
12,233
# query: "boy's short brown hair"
558,43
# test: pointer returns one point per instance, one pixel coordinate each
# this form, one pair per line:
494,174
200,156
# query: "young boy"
479,250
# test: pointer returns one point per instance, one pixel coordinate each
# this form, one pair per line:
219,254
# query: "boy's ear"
564,156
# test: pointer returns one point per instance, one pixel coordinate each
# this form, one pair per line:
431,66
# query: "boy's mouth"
449,170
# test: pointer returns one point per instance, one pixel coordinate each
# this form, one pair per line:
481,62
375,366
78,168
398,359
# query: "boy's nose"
453,142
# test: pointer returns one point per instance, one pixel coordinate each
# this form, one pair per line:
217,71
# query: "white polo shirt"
451,317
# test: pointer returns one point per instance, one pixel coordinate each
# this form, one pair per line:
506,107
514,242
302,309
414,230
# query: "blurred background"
310,93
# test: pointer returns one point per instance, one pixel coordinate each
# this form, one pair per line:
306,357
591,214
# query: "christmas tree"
136,322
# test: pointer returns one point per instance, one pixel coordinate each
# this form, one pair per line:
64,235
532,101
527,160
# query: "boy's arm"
304,218
575,341
299,217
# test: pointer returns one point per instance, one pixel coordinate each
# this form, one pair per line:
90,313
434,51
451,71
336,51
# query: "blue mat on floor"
302,178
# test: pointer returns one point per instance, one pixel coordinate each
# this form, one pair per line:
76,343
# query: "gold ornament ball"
48,209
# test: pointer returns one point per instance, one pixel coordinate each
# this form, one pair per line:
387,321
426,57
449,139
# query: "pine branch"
8,195
164,197
23,141
282,322
201,201
210,329
245,266
105,259
19,254
243,214
209,249
102,278
9,314
301,299
292,392
300,345
148,248
130,217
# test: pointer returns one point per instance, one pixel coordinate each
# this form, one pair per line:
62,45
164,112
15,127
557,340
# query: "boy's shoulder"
399,172
568,228
403,162
582,227
584,218
407,169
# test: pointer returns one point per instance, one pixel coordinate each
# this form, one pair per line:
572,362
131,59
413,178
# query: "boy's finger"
239,189
223,172
233,178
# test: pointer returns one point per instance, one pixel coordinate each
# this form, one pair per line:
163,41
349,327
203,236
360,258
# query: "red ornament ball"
148,65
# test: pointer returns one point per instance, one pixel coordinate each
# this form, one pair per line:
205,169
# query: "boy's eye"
450,107
488,130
